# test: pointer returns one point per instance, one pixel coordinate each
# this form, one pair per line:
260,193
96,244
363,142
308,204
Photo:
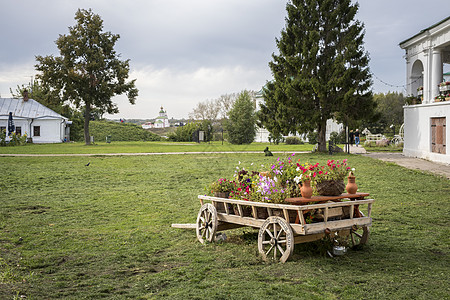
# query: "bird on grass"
267,152
87,165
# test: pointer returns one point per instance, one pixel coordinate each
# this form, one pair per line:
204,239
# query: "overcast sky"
186,51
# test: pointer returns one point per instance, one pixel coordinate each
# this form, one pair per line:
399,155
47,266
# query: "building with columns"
425,133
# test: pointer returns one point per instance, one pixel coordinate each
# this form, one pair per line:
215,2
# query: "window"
36,130
438,135
18,130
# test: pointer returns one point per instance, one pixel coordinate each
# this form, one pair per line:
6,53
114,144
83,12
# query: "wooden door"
438,135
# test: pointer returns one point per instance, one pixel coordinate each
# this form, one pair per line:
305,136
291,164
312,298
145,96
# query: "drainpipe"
31,131
63,129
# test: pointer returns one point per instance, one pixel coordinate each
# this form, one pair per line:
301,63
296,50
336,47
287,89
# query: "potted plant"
222,187
412,100
329,179
439,98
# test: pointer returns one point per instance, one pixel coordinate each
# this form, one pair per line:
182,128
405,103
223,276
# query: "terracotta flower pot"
351,187
306,189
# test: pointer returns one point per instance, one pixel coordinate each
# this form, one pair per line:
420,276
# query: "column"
436,72
427,77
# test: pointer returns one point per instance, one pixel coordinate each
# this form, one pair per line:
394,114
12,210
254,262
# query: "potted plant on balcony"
439,98
412,100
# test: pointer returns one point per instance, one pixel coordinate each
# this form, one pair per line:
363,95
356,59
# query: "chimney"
25,95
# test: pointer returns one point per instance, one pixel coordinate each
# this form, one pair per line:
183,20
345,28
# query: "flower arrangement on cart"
285,178
283,202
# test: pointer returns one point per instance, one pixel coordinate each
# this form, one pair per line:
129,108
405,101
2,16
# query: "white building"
161,121
37,121
425,124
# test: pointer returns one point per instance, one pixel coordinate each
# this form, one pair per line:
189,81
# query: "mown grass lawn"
73,231
147,147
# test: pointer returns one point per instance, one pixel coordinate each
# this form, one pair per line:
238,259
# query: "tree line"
320,72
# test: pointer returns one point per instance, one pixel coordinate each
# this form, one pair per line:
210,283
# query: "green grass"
146,147
103,231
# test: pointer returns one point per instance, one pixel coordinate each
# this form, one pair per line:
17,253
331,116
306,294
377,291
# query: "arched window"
416,79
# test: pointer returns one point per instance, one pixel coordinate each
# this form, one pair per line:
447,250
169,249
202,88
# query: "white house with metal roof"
425,133
37,121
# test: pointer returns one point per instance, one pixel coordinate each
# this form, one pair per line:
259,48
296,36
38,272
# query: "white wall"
418,130
51,131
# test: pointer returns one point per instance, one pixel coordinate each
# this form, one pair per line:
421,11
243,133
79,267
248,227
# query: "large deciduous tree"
321,71
89,72
390,108
241,123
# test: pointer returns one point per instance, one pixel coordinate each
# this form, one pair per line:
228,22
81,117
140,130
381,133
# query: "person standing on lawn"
352,137
357,137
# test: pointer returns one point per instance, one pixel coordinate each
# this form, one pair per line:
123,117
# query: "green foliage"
275,138
293,140
44,95
337,138
185,133
120,132
241,125
221,185
89,72
77,126
312,137
390,108
15,140
322,70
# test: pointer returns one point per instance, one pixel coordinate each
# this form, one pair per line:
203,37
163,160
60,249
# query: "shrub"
184,133
120,132
293,140
313,137
275,138
15,140
337,138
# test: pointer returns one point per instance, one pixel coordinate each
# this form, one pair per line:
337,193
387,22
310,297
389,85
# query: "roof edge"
425,30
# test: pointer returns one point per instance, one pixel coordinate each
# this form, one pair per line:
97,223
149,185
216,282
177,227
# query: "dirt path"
412,162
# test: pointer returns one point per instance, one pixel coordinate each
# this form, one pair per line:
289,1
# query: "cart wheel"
275,240
206,223
359,235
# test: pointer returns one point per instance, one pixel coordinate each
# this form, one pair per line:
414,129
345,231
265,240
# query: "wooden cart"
281,226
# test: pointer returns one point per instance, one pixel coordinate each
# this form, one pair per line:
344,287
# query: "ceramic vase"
306,189
351,187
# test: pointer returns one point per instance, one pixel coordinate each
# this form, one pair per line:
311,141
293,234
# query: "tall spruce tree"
89,72
321,71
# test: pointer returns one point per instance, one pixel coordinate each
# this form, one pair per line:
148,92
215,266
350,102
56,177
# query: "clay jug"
351,187
306,189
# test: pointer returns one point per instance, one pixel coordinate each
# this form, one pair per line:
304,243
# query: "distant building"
37,121
162,121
